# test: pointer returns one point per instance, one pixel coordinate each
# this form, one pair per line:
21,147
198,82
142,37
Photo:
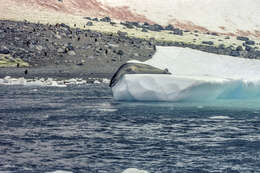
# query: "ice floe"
196,76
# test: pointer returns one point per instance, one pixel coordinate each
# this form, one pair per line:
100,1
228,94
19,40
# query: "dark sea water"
82,129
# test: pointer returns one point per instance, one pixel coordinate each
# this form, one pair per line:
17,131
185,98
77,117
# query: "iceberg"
195,76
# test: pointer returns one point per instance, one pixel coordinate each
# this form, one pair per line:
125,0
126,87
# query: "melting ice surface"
196,76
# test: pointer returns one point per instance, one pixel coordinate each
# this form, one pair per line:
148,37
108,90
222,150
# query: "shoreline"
52,72
63,52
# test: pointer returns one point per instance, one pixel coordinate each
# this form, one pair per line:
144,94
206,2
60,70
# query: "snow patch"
213,15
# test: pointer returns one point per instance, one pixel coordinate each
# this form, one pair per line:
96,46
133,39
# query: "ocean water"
82,129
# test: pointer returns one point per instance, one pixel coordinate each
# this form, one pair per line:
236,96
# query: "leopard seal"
135,68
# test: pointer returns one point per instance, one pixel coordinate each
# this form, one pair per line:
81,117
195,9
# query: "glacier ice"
196,76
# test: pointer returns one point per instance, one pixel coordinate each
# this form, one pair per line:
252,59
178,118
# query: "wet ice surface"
82,129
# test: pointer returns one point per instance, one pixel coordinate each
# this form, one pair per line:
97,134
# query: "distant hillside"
233,17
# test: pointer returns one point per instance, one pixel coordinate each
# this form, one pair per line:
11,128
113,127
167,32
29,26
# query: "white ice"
49,82
196,76
134,170
60,171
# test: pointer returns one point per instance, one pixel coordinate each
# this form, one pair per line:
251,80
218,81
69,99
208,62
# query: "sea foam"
49,82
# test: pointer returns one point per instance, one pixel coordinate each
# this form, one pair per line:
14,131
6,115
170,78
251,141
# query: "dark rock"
89,23
208,42
221,46
257,52
248,48
235,53
127,24
78,31
68,47
214,34
177,31
144,30
155,27
239,48
95,19
4,50
136,24
105,19
242,38
169,28
64,26
89,18
227,37
112,23
250,42
120,52
122,34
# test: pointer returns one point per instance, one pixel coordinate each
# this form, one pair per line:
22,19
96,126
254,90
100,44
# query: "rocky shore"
37,50
43,50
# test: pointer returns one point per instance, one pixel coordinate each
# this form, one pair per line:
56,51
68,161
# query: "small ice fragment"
106,81
220,117
60,171
96,82
134,170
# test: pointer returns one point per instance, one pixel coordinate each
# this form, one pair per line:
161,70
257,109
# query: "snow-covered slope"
239,17
236,16
196,76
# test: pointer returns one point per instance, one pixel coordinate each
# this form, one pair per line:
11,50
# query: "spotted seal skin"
135,68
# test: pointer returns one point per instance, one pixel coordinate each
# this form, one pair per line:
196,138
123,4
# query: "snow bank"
196,76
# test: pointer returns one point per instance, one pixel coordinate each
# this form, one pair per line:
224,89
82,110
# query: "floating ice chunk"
55,84
96,82
106,81
220,117
134,170
196,76
13,81
35,83
60,171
